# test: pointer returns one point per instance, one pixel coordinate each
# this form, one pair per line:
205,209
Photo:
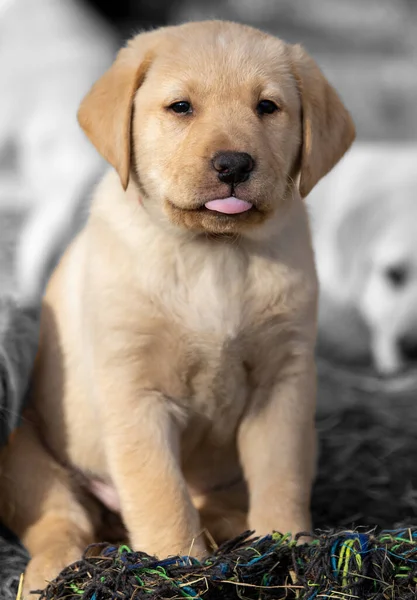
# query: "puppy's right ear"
328,129
105,114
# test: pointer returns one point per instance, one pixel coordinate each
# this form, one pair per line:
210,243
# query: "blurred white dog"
364,219
51,51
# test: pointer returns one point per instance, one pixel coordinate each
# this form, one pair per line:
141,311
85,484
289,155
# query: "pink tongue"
228,206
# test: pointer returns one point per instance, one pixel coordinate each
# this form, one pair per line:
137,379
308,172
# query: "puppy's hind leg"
38,503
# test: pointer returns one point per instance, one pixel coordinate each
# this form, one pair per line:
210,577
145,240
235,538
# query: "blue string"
189,591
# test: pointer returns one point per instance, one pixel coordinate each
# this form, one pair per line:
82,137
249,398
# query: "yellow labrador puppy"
176,373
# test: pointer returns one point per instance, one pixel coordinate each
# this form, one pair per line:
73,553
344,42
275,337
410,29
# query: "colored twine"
342,565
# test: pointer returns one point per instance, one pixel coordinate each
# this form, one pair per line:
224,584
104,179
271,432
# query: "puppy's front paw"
44,567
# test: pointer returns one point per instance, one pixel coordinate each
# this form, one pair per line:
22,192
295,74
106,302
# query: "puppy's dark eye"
266,107
397,275
181,108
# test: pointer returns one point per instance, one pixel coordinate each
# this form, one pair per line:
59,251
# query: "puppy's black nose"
407,345
233,167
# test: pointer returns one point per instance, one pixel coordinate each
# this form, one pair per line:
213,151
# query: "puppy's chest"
214,378
221,325
223,299
211,367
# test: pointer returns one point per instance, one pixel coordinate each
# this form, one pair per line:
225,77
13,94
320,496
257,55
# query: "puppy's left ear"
105,114
328,129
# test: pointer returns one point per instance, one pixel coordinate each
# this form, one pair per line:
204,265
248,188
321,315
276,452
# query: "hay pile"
334,565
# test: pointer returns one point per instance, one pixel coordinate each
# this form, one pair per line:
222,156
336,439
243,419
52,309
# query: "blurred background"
51,51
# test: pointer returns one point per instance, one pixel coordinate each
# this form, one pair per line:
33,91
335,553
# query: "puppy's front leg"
142,443
277,445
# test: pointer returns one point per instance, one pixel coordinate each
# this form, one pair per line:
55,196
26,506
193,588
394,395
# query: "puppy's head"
214,121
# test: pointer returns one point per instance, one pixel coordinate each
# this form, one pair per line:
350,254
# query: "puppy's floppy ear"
105,114
328,129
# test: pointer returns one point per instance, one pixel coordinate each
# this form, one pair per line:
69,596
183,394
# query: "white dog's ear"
328,129
105,114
